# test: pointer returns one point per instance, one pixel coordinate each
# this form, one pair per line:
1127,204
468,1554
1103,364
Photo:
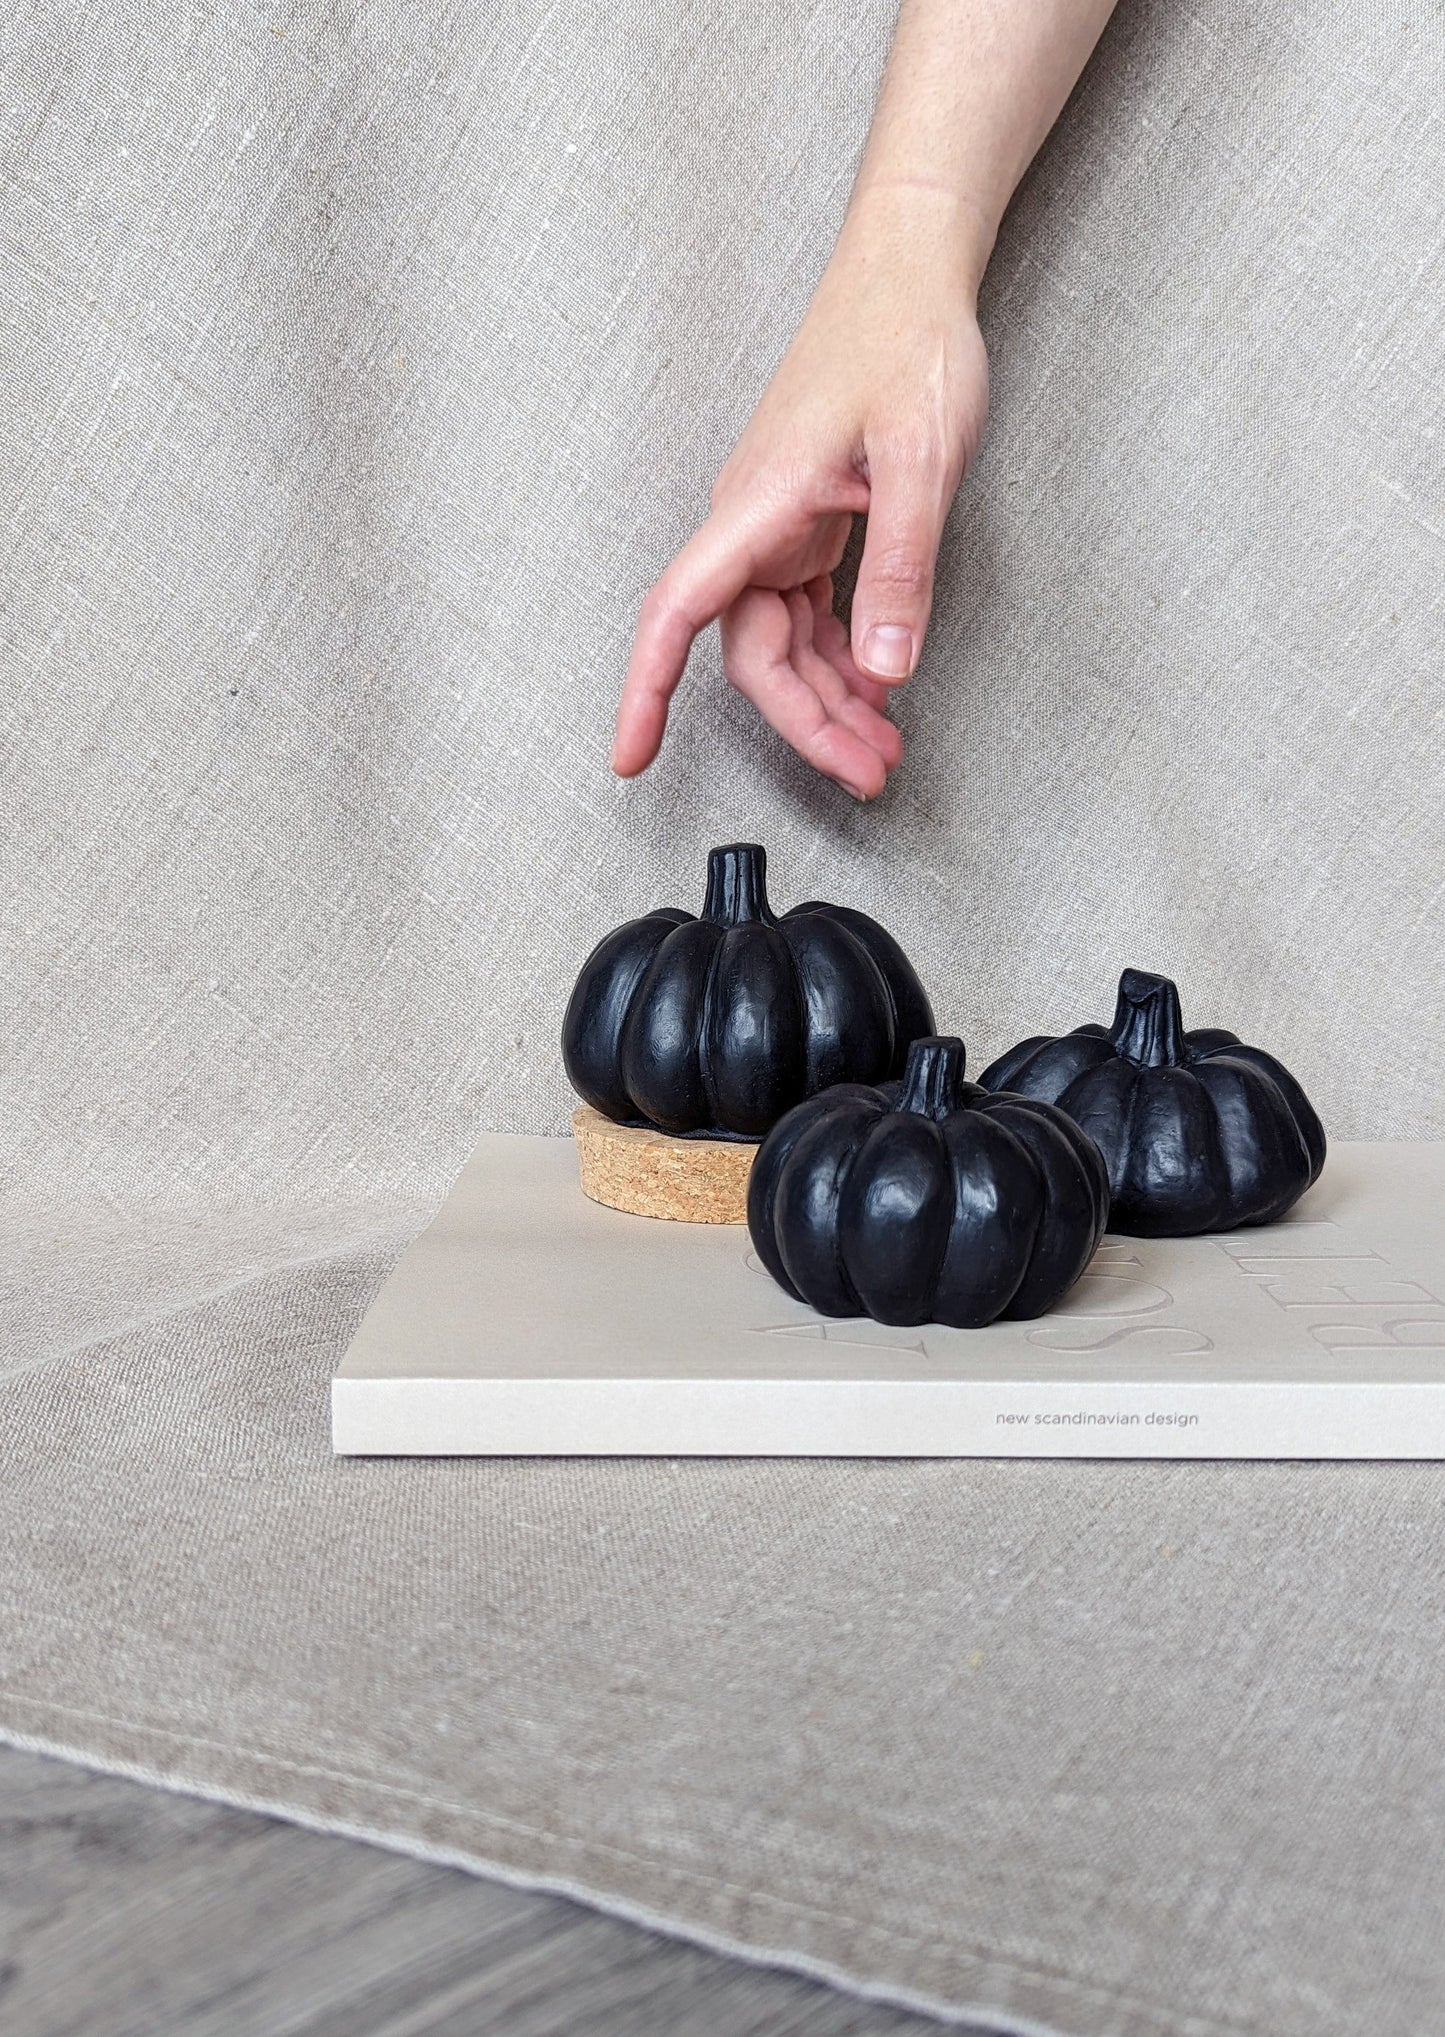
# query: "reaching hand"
877,408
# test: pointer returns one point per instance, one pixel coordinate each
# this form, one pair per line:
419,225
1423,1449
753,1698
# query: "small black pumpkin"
927,1200
718,1025
1200,1132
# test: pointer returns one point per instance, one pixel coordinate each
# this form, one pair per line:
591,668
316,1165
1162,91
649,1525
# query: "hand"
877,408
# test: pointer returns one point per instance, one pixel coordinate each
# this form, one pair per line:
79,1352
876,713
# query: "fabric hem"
987,2019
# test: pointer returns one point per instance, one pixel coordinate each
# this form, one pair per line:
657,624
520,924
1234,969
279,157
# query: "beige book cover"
527,1320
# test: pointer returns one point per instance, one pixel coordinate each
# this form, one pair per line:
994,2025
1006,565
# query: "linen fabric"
362,368
1101,1750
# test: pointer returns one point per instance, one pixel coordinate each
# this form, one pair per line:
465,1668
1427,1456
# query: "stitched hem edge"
990,2018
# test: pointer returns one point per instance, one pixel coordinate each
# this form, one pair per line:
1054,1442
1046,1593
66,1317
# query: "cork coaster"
694,1181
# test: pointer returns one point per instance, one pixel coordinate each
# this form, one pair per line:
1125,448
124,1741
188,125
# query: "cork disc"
693,1181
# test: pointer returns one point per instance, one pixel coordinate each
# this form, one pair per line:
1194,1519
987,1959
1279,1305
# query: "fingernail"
888,650
856,790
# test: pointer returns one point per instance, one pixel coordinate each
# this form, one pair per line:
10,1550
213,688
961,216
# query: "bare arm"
877,407
971,90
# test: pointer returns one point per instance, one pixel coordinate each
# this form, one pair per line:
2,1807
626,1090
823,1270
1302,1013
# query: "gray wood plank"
128,1912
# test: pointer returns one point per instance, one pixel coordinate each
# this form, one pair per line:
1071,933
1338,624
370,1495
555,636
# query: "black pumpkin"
718,1025
927,1200
1200,1132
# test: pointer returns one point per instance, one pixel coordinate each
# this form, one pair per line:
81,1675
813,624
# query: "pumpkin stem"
736,887
1147,1028
933,1077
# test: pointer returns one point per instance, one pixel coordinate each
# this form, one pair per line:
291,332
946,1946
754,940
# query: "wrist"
922,226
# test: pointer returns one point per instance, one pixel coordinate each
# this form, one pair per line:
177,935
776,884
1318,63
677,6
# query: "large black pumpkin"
927,1200
1200,1132
719,1024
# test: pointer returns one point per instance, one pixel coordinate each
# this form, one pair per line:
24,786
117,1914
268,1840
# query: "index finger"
708,574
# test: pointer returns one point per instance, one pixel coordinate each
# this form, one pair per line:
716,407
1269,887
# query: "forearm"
971,89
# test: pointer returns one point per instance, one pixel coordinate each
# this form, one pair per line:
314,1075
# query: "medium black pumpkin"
717,1025
1200,1132
927,1200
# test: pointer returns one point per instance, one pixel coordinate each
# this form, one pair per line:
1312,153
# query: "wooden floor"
127,1912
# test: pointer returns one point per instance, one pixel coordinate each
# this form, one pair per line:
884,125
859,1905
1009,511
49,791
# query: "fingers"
831,638
707,574
760,644
906,511
786,652
842,701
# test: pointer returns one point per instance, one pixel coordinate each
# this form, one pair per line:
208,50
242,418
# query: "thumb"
906,511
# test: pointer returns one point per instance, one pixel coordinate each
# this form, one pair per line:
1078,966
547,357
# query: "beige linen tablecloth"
361,368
